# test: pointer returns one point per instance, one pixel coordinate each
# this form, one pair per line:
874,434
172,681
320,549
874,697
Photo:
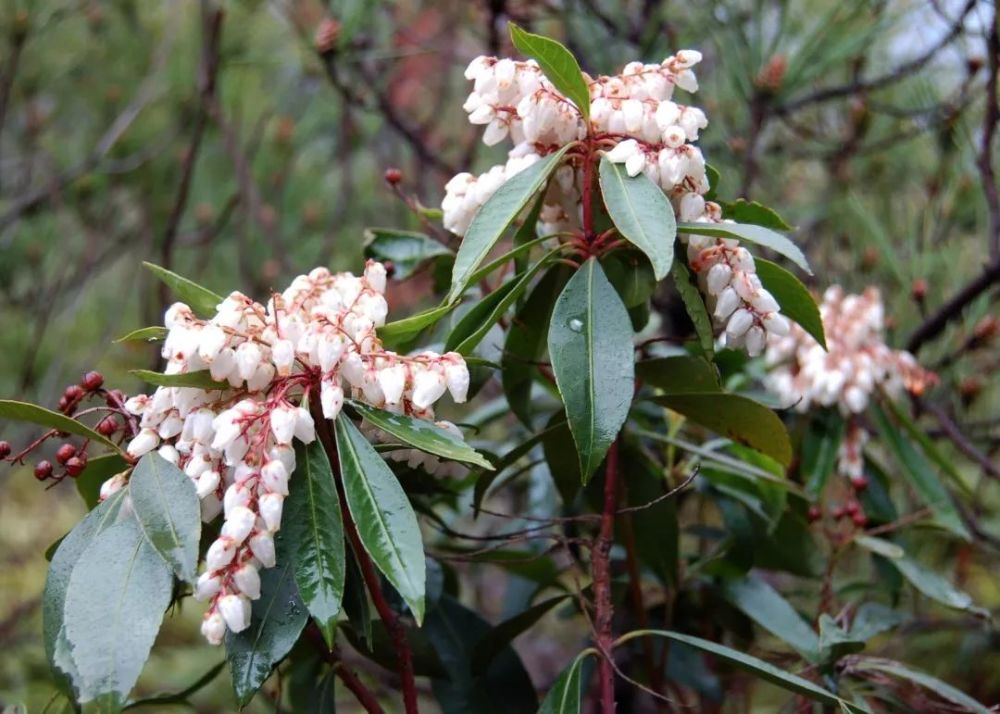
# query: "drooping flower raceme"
316,340
634,119
857,362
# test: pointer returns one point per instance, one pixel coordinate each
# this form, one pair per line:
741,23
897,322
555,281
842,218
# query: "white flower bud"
855,399
239,522
247,580
211,506
247,359
113,485
331,397
144,442
270,507
622,151
763,301
719,276
224,365
755,340
236,496
262,546
220,554
428,386
776,324
305,428
261,377
213,628
456,376
285,454
169,453
283,418
207,482
283,356
207,586
739,323
235,610
392,380
211,340
375,276
726,304
274,477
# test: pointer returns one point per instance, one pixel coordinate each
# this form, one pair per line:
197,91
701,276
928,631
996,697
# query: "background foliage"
240,155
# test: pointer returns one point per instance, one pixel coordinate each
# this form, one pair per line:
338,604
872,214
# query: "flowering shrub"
290,445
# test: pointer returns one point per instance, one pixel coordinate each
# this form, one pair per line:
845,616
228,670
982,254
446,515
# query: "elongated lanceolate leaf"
695,306
202,300
754,234
794,298
408,250
558,65
202,379
762,604
566,693
145,334
22,411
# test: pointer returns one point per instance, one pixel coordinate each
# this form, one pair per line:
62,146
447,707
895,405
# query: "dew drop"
576,325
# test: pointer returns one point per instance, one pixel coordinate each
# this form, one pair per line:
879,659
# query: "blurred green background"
127,133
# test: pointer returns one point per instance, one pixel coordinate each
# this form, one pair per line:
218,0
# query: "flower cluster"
634,118
310,344
855,363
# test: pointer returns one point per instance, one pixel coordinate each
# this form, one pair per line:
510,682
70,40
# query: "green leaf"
64,560
879,546
936,587
526,233
314,535
385,519
558,64
923,479
474,325
145,334
682,374
743,211
182,696
754,234
422,434
736,417
762,604
834,642
521,250
565,696
695,306
22,411
408,250
819,450
872,619
98,470
927,445
494,217
496,640
402,331
632,275
276,621
201,300
794,298
526,342
641,213
202,379
486,478
590,345
714,178
115,601
168,511
935,685
748,663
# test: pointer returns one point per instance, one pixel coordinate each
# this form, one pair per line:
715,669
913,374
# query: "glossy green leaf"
276,621
743,211
632,276
680,374
202,300
99,469
519,253
936,586
654,525
765,606
385,519
565,696
748,663
901,671
736,417
526,233
641,213
145,334
402,331
819,450
407,250
22,411
525,344
202,379
314,535
168,510
115,601
63,561
695,306
493,643
921,477
558,64
753,234
422,434
879,546
590,346
478,321
495,216
796,301
356,605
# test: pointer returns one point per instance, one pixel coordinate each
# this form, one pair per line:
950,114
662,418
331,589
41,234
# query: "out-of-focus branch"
18,37
990,119
954,432
934,325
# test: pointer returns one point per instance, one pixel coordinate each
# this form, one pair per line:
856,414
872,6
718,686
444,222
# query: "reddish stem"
358,689
588,191
404,657
601,565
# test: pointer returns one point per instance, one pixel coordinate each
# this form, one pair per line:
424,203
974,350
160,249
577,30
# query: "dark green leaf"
407,250
422,434
202,300
276,621
743,211
520,251
314,535
736,417
558,64
819,450
935,685
923,479
201,379
762,604
22,411
99,469
632,276
497,639
494,217
714,178
380,648
402,331
356,605
834,642
794,298
680,374
936,587
927,445
115,601
527,233
873,618
566,693
145,334
754,234
180,697
695,306
641,213
168,511
590,345
654,526
385,519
